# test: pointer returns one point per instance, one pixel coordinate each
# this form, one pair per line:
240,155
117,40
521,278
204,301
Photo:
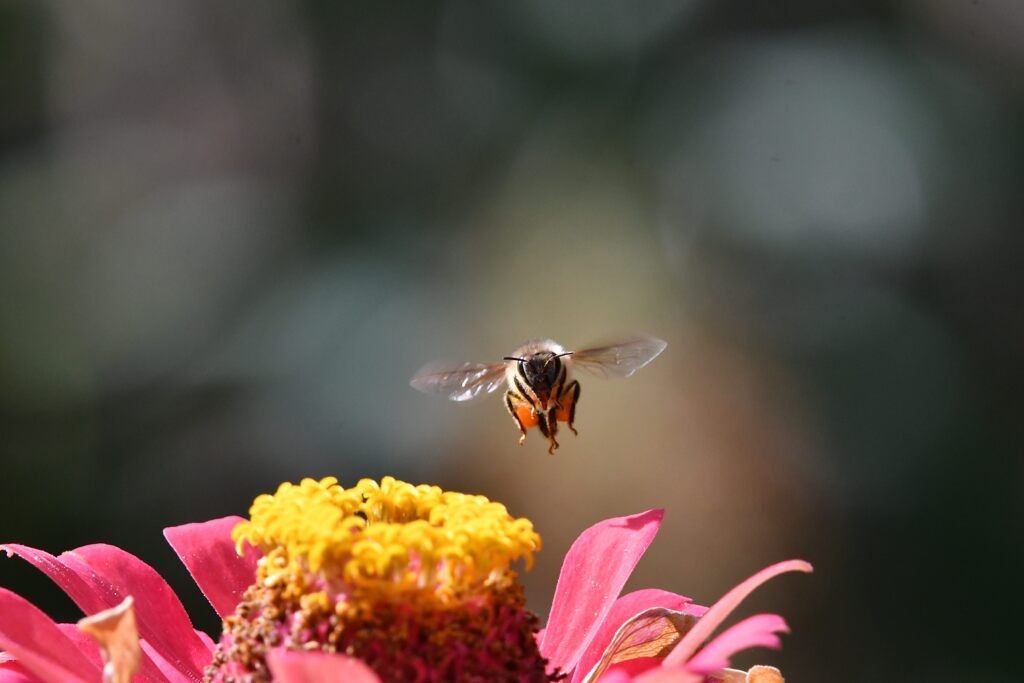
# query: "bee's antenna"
521,360
548,360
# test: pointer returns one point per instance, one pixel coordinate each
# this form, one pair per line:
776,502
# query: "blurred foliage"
229,234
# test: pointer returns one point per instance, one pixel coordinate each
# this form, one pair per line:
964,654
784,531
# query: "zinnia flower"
380,582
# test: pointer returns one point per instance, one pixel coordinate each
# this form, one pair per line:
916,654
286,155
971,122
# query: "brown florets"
488,638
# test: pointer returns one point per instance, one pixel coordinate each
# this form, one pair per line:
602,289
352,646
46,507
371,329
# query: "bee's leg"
509,396
548,427
567,402
553,428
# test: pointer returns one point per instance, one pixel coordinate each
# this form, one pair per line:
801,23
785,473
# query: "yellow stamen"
414,536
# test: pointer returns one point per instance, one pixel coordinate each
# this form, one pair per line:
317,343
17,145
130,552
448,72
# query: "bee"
538,375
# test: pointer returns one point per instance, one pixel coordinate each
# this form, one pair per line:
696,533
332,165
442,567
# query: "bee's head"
540,370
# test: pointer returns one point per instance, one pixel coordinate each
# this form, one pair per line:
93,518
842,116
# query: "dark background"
230,232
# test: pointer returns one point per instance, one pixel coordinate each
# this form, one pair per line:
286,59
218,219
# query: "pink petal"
12,672
755,631
209,555
290,666
155,664
151,672
669,674
624,608
725,605
39,645
161,618
86,645
77,588
593,573
616,676
207,640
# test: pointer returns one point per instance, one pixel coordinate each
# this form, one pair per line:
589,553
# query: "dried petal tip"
651,633
757,674
115,631
764,674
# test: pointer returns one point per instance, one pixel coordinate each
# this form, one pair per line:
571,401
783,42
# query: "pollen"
415,581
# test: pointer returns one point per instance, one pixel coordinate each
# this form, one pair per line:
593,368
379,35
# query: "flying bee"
541,392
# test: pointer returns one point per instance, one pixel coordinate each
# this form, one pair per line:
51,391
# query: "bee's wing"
459,384
621,358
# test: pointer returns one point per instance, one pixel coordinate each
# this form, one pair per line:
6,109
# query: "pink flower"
586,613
646,636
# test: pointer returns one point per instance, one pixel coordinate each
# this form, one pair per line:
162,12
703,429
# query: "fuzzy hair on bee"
540,390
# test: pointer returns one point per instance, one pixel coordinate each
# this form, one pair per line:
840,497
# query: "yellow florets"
394,532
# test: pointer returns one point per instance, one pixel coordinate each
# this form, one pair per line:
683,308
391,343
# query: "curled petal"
660,630
725,605
291,666
757,631
593,574
209,555
38,644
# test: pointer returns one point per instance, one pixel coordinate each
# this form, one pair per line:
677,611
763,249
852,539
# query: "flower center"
413,580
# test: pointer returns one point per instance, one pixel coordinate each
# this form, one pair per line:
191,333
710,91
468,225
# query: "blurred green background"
230,232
